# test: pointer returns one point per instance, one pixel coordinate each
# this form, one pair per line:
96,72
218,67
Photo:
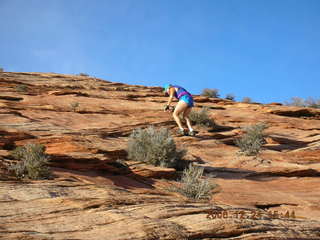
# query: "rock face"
96,193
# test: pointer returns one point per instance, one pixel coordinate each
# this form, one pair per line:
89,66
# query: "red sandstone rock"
96,196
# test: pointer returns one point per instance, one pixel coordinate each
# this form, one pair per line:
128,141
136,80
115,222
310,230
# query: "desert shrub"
163,229
154,146
311,102
84,74
74,106
21,88
296,101
300,102
1,70
120,88
250,144
210,92
32,162
230,96
201,117
246,100
192,185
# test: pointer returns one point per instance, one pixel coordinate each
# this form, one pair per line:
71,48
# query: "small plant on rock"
210,92
84,74
192,184
296,101
32,162
246,100
74,106
154,146
21,88
120,89
312,102
250,144
300,102
230,96
201,118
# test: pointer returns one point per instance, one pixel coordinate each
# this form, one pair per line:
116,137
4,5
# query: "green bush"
250,144
192,185
210,92
1,70
154,146
246,100
230,96
32,162
201,118
21,88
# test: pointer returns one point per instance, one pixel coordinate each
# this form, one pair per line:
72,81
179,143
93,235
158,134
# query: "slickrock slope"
85,123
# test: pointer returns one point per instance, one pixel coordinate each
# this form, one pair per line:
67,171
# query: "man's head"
166,87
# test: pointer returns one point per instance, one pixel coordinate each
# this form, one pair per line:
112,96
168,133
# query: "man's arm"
171,94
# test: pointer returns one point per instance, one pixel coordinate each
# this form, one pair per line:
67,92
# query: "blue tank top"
181,92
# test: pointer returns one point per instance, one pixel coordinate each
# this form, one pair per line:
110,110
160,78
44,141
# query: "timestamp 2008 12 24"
253,214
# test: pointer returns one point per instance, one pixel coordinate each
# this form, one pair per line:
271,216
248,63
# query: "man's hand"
171,108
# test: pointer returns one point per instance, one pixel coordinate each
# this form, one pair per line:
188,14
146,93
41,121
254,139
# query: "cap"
165,88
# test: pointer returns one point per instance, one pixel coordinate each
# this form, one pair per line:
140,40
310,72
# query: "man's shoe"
192,133
182,132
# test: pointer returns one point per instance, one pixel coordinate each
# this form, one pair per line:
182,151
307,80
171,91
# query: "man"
184,106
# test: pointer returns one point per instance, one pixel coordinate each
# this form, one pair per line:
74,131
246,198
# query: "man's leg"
181,106
186,117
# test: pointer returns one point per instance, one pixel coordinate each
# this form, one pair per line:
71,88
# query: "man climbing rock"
184,106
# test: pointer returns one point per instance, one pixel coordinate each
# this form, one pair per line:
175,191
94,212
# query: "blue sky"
268,50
